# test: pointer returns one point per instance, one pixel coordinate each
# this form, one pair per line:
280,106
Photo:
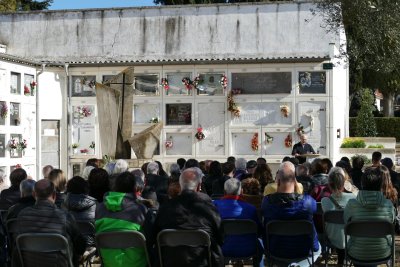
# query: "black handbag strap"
338,207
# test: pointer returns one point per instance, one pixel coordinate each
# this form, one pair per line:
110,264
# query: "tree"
365,126
24,5
373,42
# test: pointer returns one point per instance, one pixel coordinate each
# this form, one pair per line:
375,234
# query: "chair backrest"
334,216
189,238
121,240
12,230
43,249
238,227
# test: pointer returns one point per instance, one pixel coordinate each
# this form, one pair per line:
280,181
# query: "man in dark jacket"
10,196
191,210
287,205
302,148
26,200
156,182
45,217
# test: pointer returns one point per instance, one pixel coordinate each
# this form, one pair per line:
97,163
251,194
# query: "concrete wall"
168,33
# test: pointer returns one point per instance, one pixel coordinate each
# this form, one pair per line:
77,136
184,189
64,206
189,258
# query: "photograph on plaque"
83,85
15,114
146,85
312,82
179,114
15,83
3,145
146,113
262,82
176,86
210,84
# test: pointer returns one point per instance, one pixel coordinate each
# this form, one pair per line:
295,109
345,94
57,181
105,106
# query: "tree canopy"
24,5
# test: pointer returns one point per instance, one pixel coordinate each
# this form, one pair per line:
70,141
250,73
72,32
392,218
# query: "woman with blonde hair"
60,183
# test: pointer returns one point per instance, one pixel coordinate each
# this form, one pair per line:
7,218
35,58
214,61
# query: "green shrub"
365,158
353,143
376,146
386,126
366,126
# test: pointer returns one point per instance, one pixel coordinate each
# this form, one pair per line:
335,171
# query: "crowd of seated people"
200,195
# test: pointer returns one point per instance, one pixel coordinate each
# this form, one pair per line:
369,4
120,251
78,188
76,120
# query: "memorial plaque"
15,83
83,127
15,114
146,85
265,113
262,82
83,86
312,82
277,146
144,112
213,128
3,145
241,144
181,143
176,87
179,114
210,84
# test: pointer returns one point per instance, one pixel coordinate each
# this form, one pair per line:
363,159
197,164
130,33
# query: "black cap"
251,164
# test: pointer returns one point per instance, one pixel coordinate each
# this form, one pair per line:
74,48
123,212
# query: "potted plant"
75,147
92,147
13,145
22,145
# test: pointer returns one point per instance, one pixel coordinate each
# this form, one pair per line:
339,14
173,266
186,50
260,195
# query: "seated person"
232,207
26,200
10,196
285,204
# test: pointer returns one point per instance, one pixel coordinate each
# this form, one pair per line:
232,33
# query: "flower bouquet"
199,135
254,142
92,145
224,81
268,139
187,83
3,110
33,87
27,91
232,106
22,144
84,151
13,144
285,110
83,112
288,141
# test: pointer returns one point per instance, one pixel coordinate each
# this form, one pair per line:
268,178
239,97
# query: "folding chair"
333,217
370,229
43,249
189,238
241,227
88,230
121,240
290,229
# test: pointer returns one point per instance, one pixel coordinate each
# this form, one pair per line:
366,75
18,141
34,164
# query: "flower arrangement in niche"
165,84
22,145
198,80
91,83
92,145
254,142
288,140
33,87
224,81
154,120
27,91
232,106
268,139
75,145
84,151
200,135
187,83
83,112
3,110
169,143
13,144
300,130
285,110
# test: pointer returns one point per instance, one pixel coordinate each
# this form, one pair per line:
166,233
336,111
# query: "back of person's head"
294,160
99,183
46,170
345,159
263,173
109,167
152,168
78,185
44,189
58,178
86,172
286,158
144,168
227,168
240,164
317,167
120,166
92,162
215,169
202,166
190,179
174,169
302,170
376,157
138,173
125,183
326,164
26,187
139,183
336,179
251,164
286,173
358,163
371,180
190,163
388,163
344,165
231,159
251,186
17,176
233,187
261,160
181,162
161,170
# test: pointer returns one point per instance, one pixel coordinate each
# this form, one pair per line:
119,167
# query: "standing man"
302,148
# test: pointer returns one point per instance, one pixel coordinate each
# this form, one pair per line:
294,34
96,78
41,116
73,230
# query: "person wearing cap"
302,148
251,166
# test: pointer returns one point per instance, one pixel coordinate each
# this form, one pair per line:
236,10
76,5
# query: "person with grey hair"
138,173
337,201
156,183
120,166
232,207
86,172
26,188
173,214
240,169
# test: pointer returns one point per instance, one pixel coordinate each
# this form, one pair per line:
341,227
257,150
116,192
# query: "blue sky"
79,4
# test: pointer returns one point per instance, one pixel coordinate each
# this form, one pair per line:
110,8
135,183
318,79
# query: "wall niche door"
242,143
213,128
178,143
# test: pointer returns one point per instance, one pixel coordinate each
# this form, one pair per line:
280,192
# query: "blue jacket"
230,208
285,206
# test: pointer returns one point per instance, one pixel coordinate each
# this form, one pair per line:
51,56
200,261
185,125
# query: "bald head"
44,190
303,138
286,172
190,179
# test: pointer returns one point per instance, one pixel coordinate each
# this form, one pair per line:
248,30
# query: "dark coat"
9,197
356,177
191,210
218,185
23,202
160,185
208,183
60,197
